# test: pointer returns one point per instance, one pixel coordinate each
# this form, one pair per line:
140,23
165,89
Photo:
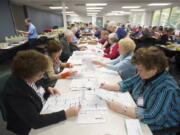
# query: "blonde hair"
128,44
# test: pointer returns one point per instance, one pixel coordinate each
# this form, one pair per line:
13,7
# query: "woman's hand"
96,62
73,111
53,91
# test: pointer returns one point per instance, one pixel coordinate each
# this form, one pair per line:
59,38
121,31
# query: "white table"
114,125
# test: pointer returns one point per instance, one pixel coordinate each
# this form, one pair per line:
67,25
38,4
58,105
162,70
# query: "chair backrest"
3,79
170,130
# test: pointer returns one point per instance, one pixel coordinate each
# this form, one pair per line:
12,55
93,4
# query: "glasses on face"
39,76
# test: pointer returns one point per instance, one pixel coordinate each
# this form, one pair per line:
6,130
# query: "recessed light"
57,7
96,4
159,4
94,8
137,10
69,12
92,13
131,6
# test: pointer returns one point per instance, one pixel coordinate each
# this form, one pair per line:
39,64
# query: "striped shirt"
39,91
161,107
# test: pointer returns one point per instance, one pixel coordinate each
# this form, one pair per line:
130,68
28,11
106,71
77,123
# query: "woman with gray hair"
112,51
122,64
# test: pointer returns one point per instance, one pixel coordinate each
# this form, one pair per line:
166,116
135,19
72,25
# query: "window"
156,17
136,19
164,17
175,17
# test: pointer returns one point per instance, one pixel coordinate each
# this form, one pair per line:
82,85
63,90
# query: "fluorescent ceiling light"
137,10
94,8
117,11
57,7
91,13
69,12
131,6
96,4
114,14
122,12
159,4
74,15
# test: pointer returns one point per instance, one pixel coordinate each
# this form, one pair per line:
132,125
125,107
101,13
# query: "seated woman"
25,95
153,89
112,51
54,49
122,64
104,37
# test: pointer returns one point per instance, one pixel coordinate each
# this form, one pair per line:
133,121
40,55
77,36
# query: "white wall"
117,19
85,19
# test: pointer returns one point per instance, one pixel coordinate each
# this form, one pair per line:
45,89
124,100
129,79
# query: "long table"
115,122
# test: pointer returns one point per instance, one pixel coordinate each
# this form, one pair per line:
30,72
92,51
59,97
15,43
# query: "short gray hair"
68,33
113,37
74,29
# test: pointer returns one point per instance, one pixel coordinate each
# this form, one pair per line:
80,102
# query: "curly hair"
150,57
27,64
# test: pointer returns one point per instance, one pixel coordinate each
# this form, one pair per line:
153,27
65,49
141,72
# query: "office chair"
3,79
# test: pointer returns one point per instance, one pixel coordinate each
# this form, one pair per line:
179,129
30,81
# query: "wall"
6,23
44,19
85,19
18,15
117,19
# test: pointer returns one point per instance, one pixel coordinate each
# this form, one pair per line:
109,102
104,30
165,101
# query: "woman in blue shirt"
122,64
155,92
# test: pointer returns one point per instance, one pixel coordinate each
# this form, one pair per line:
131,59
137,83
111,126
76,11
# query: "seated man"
68,47
154,90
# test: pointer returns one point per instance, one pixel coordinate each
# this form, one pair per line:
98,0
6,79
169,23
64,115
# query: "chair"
3,79
175,130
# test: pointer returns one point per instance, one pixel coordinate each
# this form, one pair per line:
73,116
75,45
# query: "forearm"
128,111
114,87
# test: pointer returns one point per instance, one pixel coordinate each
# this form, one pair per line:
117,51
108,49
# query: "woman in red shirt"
112,51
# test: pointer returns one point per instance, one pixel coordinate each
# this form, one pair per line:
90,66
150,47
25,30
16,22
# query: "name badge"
140,101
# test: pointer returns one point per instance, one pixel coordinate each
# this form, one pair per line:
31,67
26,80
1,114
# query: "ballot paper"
114,96
133,127
107,71
84,84
75,61
64,101
92,109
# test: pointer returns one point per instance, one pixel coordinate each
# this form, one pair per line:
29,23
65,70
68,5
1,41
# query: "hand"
96,62
115,106
69,65
53,91
104,86
72,73
82,48
73,111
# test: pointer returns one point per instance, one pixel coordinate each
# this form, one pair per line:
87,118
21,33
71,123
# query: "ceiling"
78,6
